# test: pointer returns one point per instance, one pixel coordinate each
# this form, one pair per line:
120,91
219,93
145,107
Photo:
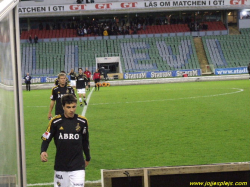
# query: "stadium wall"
151,81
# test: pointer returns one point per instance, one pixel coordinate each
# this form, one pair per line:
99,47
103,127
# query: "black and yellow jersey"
81,81
72,76
71,138
57,93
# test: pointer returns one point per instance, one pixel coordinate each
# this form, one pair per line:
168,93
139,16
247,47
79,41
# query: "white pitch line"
84,109
35,106
88,98
41,184
51,183
86,106
174,99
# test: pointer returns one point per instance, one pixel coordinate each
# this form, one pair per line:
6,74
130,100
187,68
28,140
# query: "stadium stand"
137,54
225,51
150,29
157,48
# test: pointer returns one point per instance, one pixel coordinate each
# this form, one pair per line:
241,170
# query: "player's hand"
44,157
86,163
49,116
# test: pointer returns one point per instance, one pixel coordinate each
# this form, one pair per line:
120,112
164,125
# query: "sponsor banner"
42,79
227,71
136,75
132,5
162,74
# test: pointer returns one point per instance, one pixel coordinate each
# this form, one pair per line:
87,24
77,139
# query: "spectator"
27,81
85,31
35,39
105,32
30,39
139,26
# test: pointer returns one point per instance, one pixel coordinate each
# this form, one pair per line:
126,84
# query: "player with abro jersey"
71,137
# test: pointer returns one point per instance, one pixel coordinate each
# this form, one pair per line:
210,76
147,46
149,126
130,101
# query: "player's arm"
85,144
51,106
46,137
52,103
44,156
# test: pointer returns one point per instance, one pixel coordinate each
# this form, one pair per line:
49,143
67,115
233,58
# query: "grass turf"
150,125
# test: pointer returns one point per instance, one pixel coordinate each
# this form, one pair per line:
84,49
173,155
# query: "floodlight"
244,13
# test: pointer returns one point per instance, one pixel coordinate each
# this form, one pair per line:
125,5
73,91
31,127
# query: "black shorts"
97,80
88,80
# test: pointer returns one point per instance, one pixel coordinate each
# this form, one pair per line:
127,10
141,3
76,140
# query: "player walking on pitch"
81,81
72,75
71,137
57,93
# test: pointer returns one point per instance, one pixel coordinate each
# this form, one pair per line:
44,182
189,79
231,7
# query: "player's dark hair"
68,99
79,69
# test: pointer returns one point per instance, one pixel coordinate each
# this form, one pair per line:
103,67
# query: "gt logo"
128,5
103,6
238,2
77,7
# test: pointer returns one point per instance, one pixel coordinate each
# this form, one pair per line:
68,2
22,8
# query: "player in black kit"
81,82
56,82
71,137
57,93
72,75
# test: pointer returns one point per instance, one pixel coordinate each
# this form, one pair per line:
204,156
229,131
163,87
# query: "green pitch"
150,125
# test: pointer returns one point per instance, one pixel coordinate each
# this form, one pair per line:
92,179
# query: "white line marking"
215,95
88,98
51,183
159,100
35,106
86,106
